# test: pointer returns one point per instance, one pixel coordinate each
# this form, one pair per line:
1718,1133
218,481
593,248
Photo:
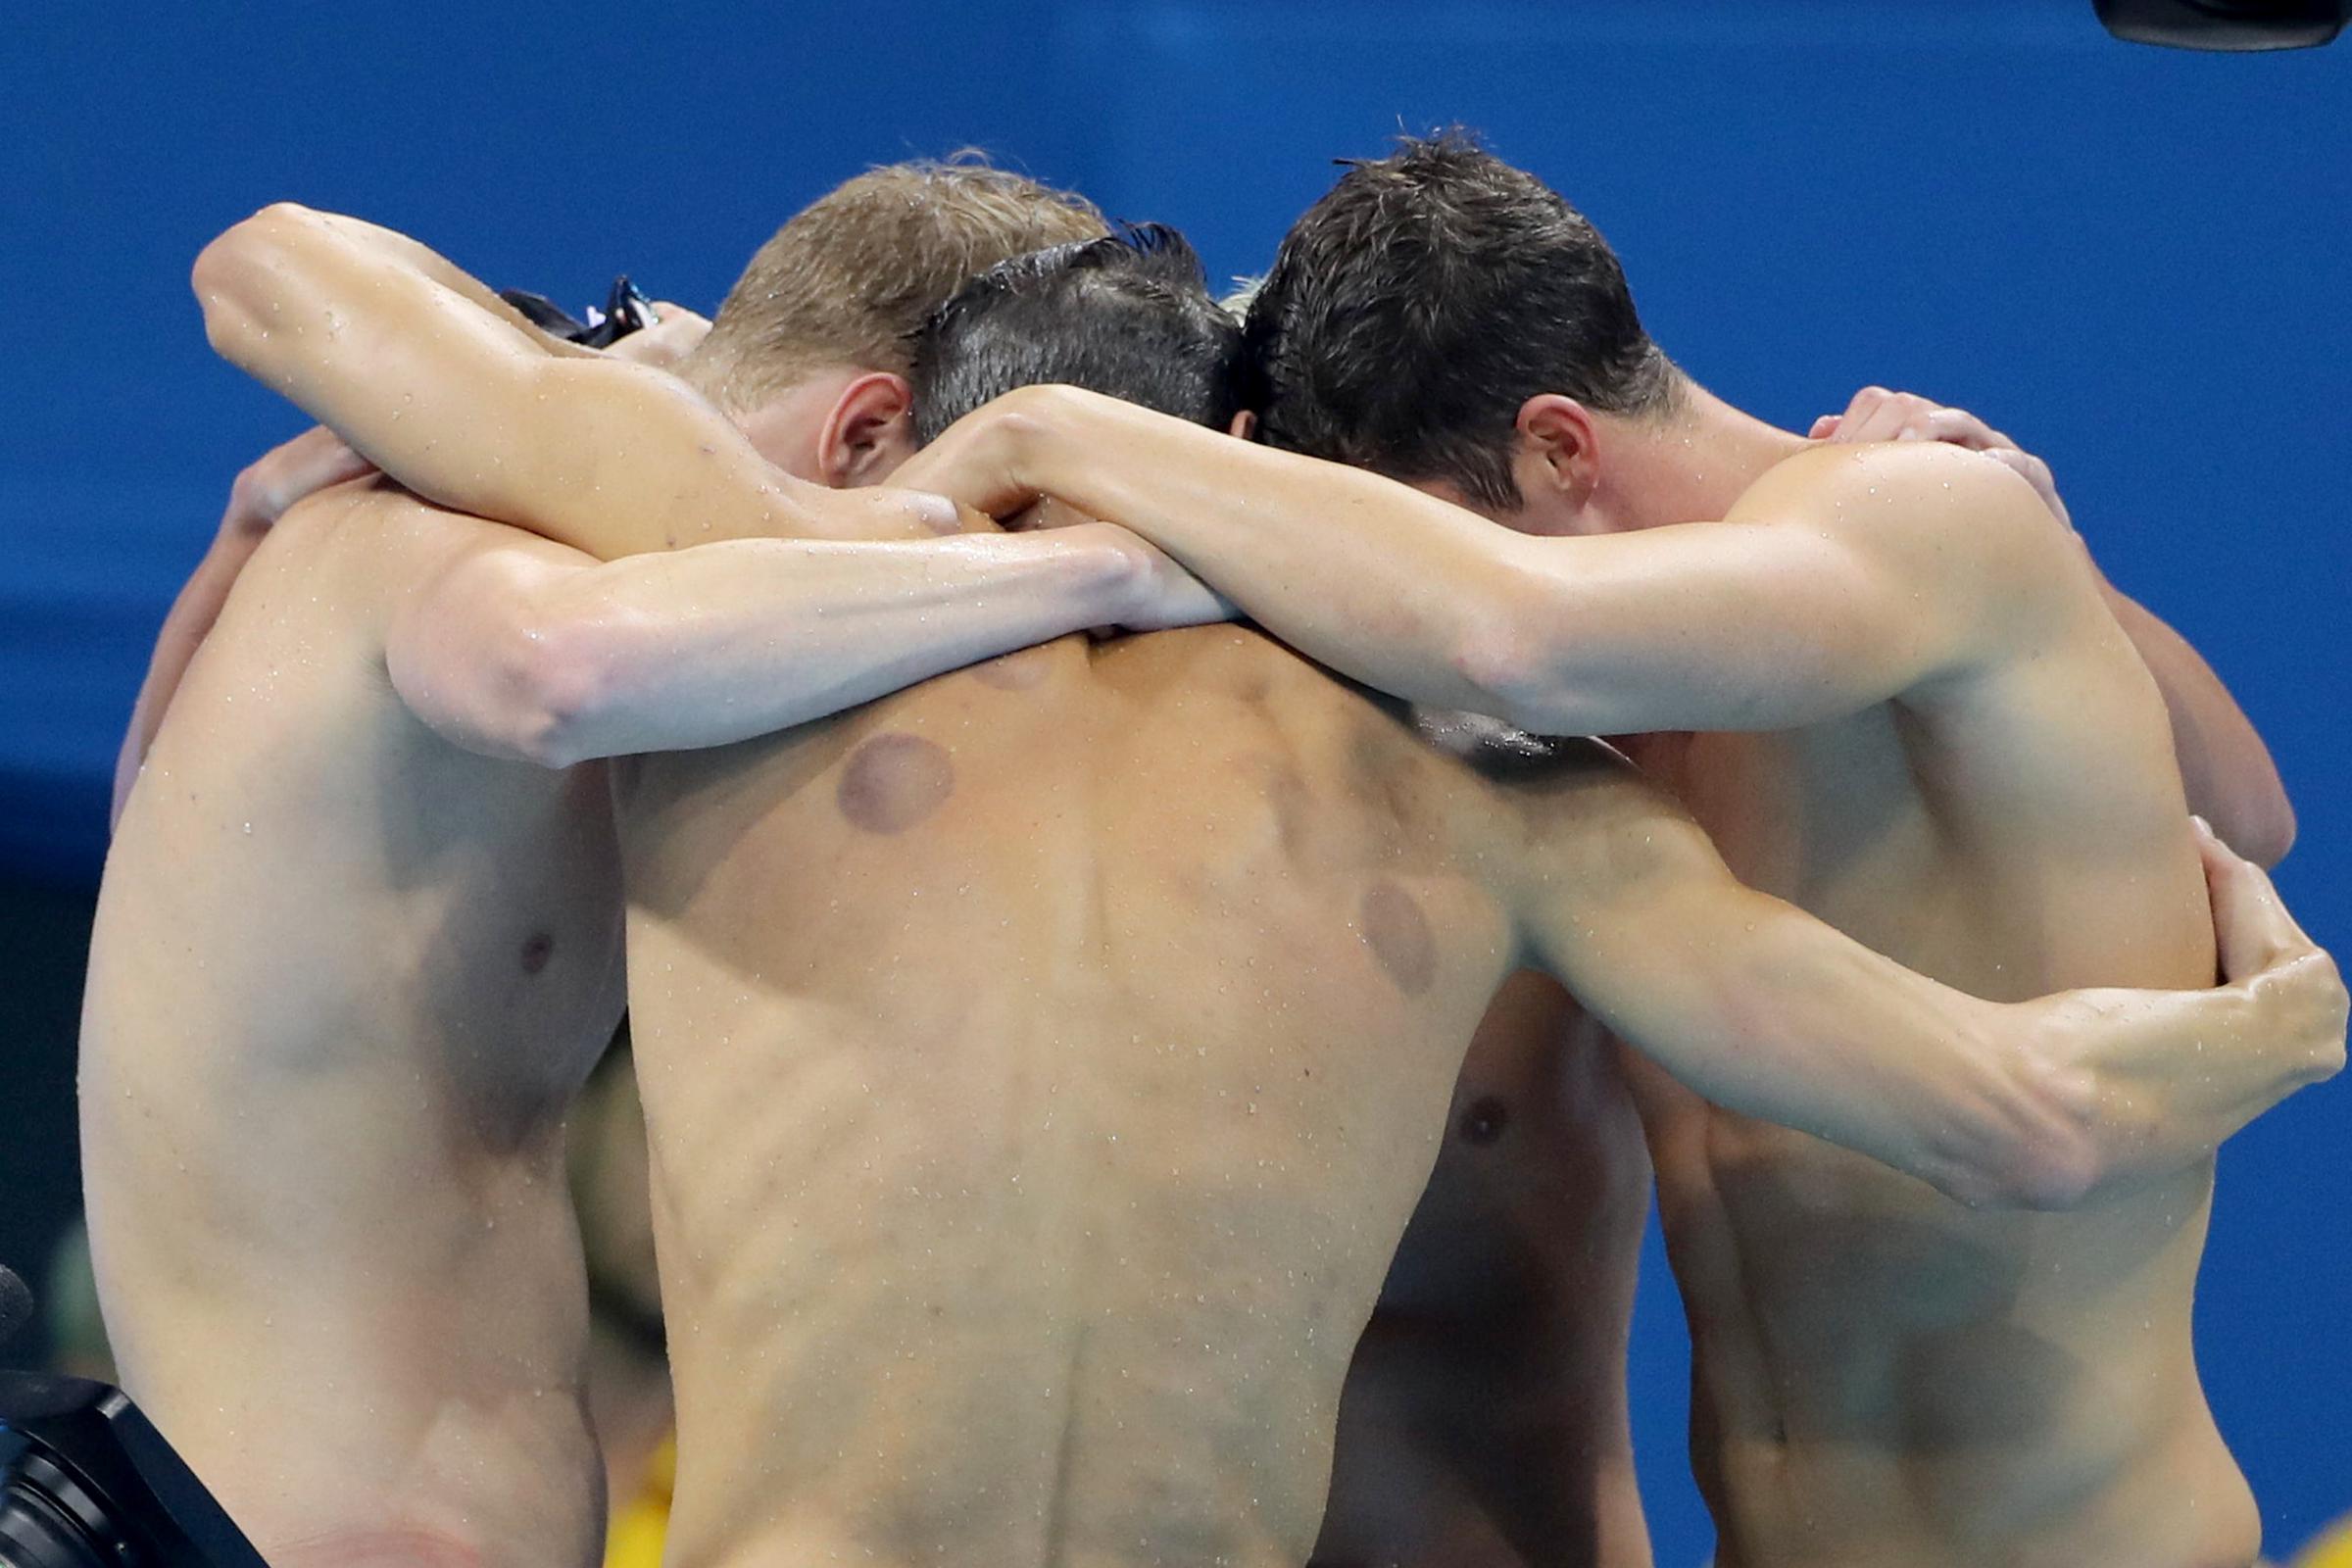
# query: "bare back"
1484,1419
1884,1374
344,981
1041,1065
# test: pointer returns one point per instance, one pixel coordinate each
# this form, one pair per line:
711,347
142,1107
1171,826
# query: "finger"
1858,411
1866,400
1888,417
1961,428
2251,928
2035,473
1823,428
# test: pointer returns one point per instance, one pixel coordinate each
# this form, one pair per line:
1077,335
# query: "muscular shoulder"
362,549
1956,533
1907,494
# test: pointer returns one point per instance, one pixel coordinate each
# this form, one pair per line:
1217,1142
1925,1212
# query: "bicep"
1841,580
605,457
1642,920
2224,765
617,459
1710,626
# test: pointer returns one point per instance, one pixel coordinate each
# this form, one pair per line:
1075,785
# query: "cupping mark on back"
893,781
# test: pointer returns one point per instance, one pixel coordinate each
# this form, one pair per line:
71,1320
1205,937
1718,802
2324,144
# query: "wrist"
1036,427
2303,1000
1110,580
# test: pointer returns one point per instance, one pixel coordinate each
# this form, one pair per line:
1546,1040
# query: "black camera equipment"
87,1481
2234,25
625,311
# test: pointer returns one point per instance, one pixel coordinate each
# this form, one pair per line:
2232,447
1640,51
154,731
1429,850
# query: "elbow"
560,687
231,277
2052,1171
2056,1156
2040,1147
2045,1168
1507,669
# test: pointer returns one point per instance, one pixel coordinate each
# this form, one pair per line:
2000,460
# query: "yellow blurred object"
2332,1549
640,1527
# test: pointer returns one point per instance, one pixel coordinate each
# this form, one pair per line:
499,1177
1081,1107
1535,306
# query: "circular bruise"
894,781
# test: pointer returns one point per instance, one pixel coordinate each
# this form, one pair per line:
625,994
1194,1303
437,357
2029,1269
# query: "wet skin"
1041,1072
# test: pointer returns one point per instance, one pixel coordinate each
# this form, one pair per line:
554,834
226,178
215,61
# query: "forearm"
324,313
1769,1013
724,642
2224,766
421,259
2168,1076
461,406
1739,625
1377,580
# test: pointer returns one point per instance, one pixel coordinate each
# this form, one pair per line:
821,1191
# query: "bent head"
1128,316
1449,321
812,348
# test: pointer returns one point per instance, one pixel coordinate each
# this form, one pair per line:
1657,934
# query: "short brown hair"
851,278
1425,298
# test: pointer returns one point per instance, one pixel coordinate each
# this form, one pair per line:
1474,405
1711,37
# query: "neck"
1692,465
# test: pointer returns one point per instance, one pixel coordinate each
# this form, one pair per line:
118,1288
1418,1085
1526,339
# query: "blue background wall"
2133,260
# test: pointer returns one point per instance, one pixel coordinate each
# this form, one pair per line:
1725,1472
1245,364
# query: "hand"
1878,414
287,473
979,461
1162,595
2260,943
667,339
2252,932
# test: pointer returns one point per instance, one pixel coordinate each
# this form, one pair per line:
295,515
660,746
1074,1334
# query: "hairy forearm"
1376,580
2224,766
2164,1077
724,642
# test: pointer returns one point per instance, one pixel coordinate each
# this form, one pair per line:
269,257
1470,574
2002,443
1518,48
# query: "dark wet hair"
1128,316
1427,295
